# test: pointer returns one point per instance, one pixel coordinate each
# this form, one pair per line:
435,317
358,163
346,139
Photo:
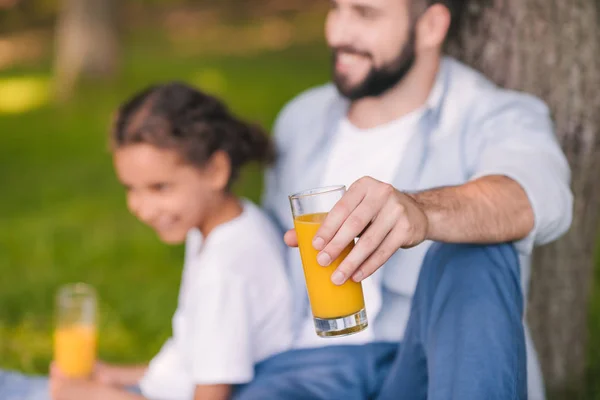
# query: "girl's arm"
210,392
64,388
111,393
117,375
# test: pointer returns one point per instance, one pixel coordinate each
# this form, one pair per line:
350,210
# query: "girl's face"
164,192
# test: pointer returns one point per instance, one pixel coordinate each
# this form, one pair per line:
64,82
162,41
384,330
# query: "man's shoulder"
465,85
309,103
478,98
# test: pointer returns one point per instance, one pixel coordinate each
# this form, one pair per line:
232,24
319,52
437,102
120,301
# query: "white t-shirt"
356,153
233,311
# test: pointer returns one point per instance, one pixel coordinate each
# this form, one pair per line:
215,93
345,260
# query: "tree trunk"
550,48
86,43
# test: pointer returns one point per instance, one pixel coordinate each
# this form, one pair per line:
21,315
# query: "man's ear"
432,27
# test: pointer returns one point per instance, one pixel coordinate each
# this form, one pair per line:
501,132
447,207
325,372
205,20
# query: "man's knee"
309,374
472,295
469,262
471,273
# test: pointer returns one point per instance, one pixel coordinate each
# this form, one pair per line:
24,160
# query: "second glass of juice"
75,331
337,310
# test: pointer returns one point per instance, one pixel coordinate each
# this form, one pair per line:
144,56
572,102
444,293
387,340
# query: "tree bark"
86,43
550,48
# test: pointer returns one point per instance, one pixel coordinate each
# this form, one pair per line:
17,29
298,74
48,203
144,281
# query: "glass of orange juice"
75,331
337,310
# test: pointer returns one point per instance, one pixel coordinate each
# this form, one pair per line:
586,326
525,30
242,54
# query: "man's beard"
379,79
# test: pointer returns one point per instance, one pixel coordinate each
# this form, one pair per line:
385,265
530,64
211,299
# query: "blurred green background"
62,213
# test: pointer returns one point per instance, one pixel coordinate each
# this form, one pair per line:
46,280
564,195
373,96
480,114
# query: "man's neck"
408,95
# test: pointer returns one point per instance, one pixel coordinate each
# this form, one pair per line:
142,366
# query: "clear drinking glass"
337,310
75,331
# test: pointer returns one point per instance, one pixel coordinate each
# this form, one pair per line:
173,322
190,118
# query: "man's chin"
346,83
345,89
351,93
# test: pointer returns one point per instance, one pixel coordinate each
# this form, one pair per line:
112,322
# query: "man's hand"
385,219
490,209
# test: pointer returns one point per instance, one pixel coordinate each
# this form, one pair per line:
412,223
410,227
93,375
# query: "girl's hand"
65,388
107,374
117,375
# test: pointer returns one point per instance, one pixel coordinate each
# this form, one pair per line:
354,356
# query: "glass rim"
316,191
75,290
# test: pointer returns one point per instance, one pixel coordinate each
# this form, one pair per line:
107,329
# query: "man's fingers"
392,242
290,238
352,227
374,199
338,215
369,241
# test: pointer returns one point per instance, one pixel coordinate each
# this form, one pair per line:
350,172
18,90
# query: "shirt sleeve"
273,174
162,373
221,333
516,139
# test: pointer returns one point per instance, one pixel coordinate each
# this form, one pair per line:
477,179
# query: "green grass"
63,215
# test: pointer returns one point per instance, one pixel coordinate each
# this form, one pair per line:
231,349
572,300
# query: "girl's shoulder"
244,244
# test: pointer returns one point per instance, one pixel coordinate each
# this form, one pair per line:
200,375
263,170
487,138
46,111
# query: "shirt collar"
436,97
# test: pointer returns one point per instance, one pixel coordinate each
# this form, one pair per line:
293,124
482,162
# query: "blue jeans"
464,340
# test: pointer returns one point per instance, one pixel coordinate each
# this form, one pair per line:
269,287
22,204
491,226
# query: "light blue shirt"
470,128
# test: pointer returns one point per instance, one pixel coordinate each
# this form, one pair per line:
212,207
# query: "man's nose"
340,30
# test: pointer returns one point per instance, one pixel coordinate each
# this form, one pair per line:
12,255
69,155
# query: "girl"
177,152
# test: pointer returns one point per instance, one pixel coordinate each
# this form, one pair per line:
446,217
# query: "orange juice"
327,300
75,350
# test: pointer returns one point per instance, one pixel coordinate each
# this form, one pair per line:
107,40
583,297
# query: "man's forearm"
492,209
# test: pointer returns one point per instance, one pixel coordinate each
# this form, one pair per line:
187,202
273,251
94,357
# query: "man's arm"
518,190
491,209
